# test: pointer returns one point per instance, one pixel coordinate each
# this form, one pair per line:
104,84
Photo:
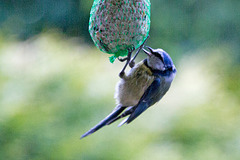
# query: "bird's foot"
122,59
121,74
131,63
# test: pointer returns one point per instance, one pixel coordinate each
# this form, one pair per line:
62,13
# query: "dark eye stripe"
158,55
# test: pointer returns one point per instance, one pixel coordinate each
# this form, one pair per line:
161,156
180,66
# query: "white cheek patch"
156,63
160,67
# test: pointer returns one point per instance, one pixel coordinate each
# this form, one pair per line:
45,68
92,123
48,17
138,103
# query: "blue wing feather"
148,99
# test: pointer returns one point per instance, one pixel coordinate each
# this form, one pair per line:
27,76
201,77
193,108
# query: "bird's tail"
105,121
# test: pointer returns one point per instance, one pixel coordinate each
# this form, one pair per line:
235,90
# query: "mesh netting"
118,25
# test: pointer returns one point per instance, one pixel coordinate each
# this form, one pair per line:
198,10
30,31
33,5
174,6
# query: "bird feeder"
117,26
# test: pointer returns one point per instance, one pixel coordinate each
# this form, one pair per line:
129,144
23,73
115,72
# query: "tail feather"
105,121
127,112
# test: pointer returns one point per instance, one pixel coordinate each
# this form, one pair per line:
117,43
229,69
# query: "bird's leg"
132,63
128,58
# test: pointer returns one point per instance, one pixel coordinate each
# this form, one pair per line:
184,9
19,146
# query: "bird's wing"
148,99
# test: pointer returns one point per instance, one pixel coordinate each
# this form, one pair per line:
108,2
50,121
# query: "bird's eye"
170,68
161,58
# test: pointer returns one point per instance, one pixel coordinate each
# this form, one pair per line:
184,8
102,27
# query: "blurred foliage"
49,98
26,18
54,86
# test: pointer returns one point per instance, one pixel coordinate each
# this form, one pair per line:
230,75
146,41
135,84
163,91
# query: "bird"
144,85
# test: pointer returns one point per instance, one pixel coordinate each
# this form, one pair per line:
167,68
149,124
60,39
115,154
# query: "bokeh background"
55,84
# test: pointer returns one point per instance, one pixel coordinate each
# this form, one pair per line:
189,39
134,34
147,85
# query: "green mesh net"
119,25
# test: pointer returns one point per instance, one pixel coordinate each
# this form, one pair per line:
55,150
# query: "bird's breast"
130,88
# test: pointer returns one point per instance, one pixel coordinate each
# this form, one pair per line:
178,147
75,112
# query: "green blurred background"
55,84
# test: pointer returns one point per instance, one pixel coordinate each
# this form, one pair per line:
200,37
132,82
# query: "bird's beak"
147,52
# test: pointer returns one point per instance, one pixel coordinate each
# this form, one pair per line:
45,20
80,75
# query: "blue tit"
144,85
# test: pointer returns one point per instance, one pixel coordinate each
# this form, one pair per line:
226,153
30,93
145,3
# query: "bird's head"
158,59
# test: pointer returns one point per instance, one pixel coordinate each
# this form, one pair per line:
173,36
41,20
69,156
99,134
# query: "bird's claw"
121,74
122,59
131,64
